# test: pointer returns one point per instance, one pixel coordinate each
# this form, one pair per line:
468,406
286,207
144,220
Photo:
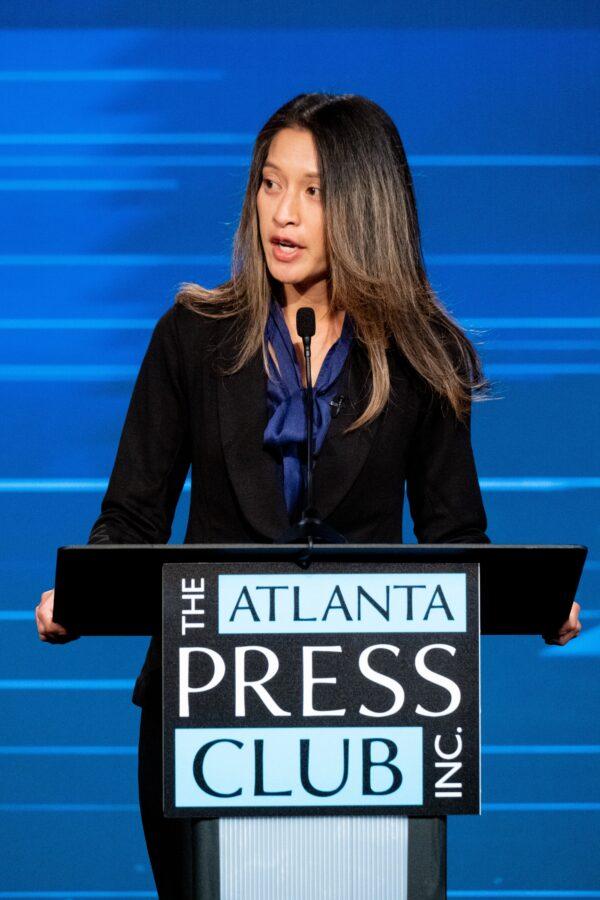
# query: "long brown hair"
373,244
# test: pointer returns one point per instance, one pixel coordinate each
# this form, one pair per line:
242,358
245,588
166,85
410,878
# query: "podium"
321,705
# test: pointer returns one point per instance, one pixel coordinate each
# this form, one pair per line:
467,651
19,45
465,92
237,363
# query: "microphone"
305,323
336,405
310,528
306,326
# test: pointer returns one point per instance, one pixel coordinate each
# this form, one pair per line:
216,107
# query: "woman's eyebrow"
271,165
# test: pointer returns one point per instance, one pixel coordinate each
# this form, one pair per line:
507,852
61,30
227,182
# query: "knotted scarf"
286,428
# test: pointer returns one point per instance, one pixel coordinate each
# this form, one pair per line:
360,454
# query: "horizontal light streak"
56,485
87,895
88,184
69,807
17,615
131,750
157,259
111,259
532,370
26,615
516,322
513,259
425,160
504,160
103,139
83,324
540,483
122,372
508,483
76,895
133,807
539,749
204,161
137,74
554,322
231,161
68,750
66,684
67,372
547,892
567,806
560,344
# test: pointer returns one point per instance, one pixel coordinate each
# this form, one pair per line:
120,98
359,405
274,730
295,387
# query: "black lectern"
321,705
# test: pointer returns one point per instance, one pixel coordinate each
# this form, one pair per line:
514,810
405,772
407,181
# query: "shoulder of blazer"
201,339
404,375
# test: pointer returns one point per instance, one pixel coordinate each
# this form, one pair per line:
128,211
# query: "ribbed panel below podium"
314,858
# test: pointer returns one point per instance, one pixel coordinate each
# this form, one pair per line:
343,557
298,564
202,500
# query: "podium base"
312,857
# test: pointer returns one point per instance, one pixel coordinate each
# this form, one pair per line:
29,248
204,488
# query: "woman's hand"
47,629
569,629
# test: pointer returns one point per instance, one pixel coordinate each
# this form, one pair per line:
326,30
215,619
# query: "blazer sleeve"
442,485
154,452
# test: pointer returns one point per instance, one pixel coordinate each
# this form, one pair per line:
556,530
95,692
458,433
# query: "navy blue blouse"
286,428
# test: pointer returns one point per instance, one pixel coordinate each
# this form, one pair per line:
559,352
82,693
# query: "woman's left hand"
569,629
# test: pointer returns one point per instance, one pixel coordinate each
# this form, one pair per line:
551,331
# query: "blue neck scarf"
286,428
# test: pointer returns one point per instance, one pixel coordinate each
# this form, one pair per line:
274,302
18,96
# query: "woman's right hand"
48,630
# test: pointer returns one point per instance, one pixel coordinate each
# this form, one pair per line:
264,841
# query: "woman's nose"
287,209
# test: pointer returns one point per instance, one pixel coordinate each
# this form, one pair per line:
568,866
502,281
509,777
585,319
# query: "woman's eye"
269,181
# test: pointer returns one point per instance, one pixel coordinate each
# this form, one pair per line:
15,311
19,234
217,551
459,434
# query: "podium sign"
351,688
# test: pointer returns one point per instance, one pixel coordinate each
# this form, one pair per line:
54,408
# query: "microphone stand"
310,528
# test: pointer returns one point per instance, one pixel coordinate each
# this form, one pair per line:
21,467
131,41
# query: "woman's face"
290,207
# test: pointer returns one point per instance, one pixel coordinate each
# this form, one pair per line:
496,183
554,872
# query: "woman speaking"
329,222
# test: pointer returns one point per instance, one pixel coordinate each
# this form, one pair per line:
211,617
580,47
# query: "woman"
328,221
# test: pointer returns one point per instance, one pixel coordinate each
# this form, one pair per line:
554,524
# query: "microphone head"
305,322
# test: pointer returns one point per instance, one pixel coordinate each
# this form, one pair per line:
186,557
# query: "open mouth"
284,249
285,242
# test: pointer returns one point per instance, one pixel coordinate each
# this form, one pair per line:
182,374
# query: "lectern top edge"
525,588
485,548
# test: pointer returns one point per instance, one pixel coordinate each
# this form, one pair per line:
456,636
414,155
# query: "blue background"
125,134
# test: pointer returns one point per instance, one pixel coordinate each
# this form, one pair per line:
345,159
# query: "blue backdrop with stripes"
125,134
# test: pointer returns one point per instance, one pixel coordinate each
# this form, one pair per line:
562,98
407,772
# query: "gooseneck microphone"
306,327
310,528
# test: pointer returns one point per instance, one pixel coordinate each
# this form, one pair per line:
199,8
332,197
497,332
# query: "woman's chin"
289,274
298,275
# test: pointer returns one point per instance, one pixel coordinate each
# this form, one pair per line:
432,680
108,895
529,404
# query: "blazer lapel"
253,470
256,474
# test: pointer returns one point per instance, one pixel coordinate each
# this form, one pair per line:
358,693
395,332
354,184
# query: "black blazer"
182,413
